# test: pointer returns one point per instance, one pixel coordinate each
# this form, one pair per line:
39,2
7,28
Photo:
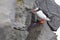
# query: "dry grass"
19,1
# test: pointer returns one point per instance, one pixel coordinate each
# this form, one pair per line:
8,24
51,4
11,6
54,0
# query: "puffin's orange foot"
42,21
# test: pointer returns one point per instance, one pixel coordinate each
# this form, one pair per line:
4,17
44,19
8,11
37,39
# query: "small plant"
20,1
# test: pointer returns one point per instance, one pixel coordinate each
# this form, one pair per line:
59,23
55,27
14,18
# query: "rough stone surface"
46,33
7,33
7,7
7,11
52,10
42,32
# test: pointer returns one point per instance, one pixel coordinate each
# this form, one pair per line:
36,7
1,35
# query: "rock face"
28,3
7,7
42,32
52,10
46,33
7,33
7,20
7,11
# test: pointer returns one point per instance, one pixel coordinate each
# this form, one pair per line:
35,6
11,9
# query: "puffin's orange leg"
42,21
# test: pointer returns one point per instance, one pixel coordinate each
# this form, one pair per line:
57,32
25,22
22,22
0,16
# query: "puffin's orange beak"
42,21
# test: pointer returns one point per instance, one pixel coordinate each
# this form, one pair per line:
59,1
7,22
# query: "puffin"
41,15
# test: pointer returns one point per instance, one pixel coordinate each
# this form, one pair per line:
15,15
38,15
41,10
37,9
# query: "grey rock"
7,33
42,32
28,3
46,33
7,12
52,10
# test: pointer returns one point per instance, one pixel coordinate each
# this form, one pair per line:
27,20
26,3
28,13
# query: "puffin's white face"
57,2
